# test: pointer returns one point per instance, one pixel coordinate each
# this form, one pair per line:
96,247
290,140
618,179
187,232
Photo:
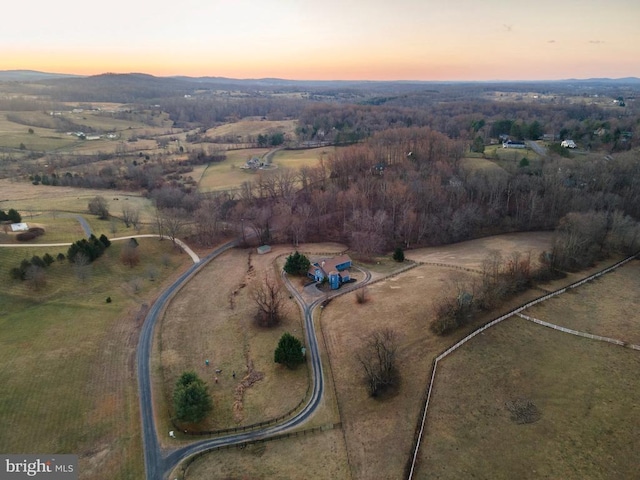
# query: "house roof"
328,264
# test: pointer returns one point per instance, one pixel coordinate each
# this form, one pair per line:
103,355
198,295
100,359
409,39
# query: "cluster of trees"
86,251
99,206
378,358
32,271
581,239
11,215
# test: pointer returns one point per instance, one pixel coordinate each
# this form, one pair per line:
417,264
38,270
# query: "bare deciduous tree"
270,300
130,216
378,359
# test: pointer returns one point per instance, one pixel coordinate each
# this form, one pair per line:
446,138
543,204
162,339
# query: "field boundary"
578,333
184,466
420,431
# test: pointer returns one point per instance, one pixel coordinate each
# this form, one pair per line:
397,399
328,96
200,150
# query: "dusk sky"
327,40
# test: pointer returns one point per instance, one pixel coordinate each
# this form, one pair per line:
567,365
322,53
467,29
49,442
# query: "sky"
328,39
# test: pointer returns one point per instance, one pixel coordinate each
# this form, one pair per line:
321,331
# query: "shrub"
25,236
398,255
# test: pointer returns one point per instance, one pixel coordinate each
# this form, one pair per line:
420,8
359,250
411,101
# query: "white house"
568,144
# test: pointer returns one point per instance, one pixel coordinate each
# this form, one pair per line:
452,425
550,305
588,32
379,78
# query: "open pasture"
320,456
229,175
32,201
221,329
252,127
525,401
67,356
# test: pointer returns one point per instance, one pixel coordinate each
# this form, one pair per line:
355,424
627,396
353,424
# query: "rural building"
19,227
513,144
264,249
568,144
335,270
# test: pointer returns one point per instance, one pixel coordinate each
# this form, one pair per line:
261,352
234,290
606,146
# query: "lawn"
67,357
228,174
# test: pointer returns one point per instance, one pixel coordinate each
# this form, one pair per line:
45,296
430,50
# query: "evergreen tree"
297,264
289,351
398,255
191,398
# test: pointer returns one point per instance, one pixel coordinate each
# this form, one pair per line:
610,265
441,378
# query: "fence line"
578,333
489,325
241,446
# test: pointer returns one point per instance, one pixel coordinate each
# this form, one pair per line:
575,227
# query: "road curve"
154,463
158,467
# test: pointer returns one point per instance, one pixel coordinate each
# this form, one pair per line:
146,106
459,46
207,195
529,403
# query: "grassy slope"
586,392
67,358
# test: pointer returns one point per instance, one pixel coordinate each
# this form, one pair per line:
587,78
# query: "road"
537,148
157,466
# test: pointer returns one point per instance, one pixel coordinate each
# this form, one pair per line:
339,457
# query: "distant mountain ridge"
31,75
34,75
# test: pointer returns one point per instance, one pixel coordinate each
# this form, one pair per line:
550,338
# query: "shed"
262,249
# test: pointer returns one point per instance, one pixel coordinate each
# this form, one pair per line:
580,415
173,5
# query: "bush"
25,236
398,255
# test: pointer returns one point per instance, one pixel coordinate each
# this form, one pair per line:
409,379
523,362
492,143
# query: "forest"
406,173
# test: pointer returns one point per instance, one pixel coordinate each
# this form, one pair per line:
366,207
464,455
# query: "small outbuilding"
262,249
19,227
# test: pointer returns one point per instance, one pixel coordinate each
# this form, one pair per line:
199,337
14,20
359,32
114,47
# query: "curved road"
157,466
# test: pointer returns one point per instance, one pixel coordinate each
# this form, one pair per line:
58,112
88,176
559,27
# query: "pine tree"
289,351
191,398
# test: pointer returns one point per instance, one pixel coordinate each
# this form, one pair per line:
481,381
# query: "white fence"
500,319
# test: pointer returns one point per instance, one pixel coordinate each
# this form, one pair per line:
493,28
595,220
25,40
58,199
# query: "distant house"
335,270
253,164
513,144
568,144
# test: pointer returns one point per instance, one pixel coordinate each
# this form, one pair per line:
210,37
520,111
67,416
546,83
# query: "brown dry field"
320,456
584,390
212,318
379,434
607,307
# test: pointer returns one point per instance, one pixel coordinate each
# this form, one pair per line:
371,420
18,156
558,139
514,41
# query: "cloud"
596,42
507,28
551,41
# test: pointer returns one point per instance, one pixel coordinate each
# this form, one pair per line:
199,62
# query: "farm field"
253,127
583,392
37,201
319,456
67,356
229,175
402,302
222,330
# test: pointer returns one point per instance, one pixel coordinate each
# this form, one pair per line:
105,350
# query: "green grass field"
229,174
67,357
